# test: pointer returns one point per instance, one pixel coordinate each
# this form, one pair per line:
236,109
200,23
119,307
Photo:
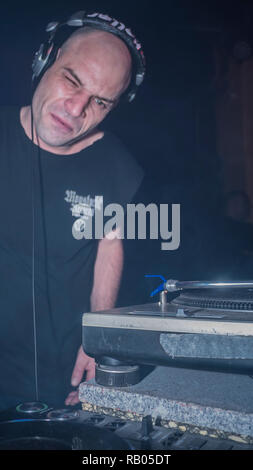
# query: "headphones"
47,52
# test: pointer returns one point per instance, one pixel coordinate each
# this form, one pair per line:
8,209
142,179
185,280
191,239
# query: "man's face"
80,89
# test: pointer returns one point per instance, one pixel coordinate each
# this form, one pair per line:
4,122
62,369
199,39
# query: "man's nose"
77,104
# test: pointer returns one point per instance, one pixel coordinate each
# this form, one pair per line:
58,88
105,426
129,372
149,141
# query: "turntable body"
197,330
201,343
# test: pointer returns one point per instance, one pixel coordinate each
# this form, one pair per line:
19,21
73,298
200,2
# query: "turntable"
196,325
204,325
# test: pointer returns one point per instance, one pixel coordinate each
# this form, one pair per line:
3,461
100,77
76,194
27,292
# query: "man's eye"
70,80
100,103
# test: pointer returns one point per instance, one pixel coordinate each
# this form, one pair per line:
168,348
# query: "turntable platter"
218,299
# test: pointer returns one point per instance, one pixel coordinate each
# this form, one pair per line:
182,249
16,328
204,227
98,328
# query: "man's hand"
83,363
107,274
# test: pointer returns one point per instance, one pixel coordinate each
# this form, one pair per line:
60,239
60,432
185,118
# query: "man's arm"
106,282
107,274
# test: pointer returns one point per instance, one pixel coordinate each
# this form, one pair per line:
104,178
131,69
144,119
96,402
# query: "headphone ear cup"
43,58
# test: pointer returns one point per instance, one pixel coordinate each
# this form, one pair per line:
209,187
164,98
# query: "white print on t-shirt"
83,208
86,209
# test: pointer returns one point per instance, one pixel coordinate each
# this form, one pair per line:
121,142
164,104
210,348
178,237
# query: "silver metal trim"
168,325
173,285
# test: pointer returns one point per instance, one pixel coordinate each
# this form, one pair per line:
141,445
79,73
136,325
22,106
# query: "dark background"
170,127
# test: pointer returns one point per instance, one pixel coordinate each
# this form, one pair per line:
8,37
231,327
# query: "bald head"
104,46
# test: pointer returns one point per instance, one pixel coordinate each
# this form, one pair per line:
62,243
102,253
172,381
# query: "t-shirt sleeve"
127,174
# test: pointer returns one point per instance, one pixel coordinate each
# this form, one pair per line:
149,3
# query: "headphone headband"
47,52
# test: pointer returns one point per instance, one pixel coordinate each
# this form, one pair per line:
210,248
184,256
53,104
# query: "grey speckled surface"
211,400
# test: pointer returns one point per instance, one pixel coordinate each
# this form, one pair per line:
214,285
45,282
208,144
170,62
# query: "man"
58,142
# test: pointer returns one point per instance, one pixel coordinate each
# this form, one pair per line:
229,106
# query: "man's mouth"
61,123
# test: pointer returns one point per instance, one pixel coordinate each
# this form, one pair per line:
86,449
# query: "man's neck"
75,147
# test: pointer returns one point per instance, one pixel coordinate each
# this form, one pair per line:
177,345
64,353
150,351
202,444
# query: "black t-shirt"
65,187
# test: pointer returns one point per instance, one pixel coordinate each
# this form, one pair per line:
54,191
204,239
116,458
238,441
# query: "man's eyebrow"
81,84
73,75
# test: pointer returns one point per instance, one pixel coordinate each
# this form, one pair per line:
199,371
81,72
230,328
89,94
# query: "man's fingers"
83,362
79,368
72,399
90,372
69,398
75,399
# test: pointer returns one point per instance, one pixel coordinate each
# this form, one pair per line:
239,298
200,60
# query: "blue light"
160,287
